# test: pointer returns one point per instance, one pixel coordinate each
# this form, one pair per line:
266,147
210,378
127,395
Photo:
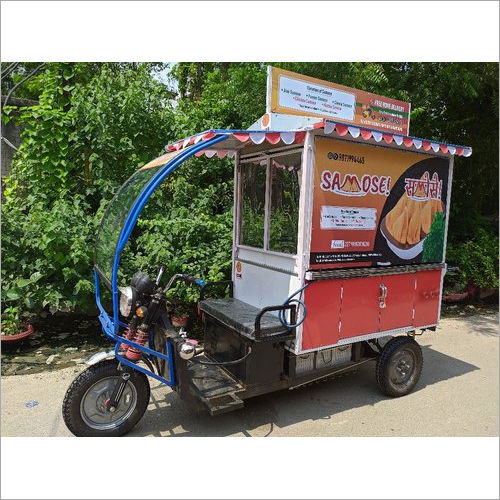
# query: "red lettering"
350,183
365,183
383,184
336,181
326,177
375,188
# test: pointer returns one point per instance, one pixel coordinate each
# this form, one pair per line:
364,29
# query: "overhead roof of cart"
259,140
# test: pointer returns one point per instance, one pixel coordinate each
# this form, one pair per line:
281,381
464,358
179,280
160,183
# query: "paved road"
456,396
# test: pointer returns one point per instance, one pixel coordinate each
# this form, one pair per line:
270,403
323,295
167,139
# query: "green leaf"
21,282
11,295
36,276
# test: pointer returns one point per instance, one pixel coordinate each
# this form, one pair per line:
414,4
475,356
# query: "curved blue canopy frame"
112,327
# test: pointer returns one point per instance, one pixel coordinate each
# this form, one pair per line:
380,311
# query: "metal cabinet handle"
383,296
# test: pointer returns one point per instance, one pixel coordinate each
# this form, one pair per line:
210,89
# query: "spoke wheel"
399,366
86,406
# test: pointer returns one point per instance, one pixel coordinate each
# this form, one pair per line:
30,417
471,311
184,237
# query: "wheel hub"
403,366
95,408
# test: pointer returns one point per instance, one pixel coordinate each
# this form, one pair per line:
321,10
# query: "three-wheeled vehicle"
338,259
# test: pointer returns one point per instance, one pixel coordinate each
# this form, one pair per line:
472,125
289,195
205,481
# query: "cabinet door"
321,326
359,310
427,297
398,310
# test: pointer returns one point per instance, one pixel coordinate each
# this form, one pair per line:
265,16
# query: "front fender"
99,356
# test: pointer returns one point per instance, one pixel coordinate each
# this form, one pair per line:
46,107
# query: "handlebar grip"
192,279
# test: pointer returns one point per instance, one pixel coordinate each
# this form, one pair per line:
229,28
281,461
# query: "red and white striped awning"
239,138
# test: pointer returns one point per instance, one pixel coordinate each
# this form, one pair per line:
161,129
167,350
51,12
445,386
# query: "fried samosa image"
351,185
410,220
413,235
420,193
396,211
428,213
400,226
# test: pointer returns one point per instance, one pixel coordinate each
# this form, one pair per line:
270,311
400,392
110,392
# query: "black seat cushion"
240,316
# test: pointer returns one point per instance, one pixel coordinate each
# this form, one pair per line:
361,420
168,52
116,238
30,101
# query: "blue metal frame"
111,326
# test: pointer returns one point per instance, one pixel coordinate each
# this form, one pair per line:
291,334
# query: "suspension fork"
114,400
117,393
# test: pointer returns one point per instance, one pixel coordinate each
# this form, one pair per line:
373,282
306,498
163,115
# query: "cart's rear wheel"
86,409
399,366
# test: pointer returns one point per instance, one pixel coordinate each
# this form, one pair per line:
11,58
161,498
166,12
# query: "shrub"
476,258
11,320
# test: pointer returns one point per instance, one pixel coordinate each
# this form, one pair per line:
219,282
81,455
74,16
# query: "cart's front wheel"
399,366
86,409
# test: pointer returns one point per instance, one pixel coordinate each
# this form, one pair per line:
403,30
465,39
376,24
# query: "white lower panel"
263,279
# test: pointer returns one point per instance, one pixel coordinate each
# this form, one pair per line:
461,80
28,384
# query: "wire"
9,143
21,82
7,71
290,300
223,363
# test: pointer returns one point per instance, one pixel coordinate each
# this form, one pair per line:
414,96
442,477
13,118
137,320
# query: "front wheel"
86,409
399,366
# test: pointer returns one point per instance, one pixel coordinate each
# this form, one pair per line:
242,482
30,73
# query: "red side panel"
339,309
427,298
359,312
321,326
398,311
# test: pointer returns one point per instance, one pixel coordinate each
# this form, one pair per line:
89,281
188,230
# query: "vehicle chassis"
220,388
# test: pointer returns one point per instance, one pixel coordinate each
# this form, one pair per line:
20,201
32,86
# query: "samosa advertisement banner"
375,206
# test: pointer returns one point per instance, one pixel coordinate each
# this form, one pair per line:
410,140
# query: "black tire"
399,366
74,414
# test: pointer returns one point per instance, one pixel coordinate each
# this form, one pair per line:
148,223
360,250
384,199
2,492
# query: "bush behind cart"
476,259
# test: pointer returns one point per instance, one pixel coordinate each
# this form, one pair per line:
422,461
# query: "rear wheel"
86,410
399,366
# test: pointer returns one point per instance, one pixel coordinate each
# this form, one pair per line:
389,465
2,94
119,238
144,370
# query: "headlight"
127,301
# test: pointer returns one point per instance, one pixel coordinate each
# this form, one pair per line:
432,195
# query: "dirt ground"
457,395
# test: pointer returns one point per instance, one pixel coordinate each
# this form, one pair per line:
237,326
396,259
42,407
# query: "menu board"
292,93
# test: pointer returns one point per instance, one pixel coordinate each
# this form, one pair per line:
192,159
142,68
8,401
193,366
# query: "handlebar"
185,277
209,284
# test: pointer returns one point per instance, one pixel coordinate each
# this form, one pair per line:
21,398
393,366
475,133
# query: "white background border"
249,31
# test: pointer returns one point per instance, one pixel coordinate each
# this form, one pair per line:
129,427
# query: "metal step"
223,404
215,387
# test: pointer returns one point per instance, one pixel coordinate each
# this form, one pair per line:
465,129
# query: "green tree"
91,129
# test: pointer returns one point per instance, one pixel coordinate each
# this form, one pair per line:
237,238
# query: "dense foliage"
95,123
87,134
476,258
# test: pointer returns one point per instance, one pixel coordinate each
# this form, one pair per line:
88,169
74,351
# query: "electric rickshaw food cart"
339,237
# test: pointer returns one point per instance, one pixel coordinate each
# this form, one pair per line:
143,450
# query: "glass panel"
285,193
114,218
253,200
